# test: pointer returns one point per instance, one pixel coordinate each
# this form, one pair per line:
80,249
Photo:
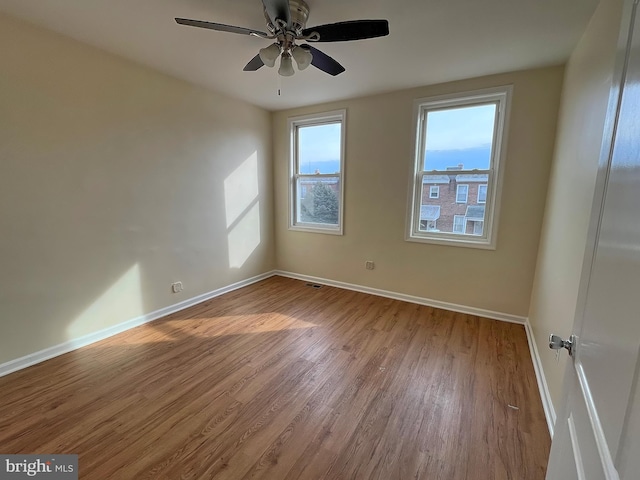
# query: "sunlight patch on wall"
241,189
242,210
122,301
244,237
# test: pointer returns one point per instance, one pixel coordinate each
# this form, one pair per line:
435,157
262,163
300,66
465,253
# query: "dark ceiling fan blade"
278,9
254,64
323,61
220,27
350,30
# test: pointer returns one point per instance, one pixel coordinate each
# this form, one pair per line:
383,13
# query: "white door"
597,434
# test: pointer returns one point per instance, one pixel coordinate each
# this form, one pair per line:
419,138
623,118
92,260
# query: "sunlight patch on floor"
213,327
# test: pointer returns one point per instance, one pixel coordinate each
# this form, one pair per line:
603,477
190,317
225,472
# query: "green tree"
320,205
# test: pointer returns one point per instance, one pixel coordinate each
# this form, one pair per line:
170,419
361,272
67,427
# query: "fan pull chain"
279,85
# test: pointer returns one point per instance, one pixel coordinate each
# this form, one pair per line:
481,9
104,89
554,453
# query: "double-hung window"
462,193
316,170
459,224
482,194
460,145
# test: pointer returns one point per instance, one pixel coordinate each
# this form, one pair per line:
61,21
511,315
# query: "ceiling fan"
286,23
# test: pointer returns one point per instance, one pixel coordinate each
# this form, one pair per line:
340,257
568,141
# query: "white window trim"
437,190
316,119
502,95
485,196
466,195
464,225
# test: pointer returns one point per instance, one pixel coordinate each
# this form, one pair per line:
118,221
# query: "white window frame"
336,116
486,186
436,189
501,96
464,225
466,194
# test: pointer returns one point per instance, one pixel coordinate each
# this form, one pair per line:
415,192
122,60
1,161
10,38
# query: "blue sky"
455,135
460,136
460,128
319,148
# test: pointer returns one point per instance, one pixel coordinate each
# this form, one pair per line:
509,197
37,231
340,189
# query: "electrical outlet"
176,287
369,265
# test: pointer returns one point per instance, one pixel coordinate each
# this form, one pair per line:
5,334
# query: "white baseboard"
56,350
37,357
547,404
505,317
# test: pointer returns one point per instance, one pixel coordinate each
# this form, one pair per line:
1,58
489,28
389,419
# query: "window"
462,193
316,172
459,224
482,194
434,191
429,225
459,144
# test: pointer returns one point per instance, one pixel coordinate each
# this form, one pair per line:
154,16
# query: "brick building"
453,203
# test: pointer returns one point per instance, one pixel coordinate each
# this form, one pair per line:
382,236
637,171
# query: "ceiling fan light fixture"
302,56
286,66
286,25
270,54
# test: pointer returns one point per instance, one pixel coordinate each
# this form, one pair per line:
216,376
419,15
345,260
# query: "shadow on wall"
123,299
118,181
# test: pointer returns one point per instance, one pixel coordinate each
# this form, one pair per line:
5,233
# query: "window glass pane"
319,148
458,224
459,138
463,192
318,200
482,194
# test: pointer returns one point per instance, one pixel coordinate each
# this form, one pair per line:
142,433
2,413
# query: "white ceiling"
430,41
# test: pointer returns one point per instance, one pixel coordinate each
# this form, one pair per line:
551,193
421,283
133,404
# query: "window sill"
465,242
337,230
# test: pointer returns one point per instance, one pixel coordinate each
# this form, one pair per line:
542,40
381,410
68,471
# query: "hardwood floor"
283,381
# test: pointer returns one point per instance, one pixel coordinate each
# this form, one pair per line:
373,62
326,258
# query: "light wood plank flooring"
283,381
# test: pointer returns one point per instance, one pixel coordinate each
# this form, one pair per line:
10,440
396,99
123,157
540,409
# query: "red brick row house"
453,203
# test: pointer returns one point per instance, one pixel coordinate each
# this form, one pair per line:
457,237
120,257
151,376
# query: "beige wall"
562,244
115,182
379,153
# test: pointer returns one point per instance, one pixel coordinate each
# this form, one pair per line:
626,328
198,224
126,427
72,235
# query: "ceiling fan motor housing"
299,15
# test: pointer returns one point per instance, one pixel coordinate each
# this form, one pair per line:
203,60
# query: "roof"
435,179
475,212
472,177
429,212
